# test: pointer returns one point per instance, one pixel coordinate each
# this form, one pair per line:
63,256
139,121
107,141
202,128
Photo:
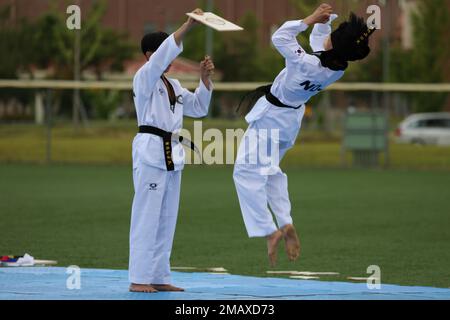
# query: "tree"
14,46
11,45
431,46
427,61
241,47
101,48
305,7
256,62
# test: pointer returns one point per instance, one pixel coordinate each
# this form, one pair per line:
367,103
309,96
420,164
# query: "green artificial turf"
347,220
110,143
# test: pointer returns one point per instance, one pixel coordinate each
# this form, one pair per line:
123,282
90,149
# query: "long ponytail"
249,100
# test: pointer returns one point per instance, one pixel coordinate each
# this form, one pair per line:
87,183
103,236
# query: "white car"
425,128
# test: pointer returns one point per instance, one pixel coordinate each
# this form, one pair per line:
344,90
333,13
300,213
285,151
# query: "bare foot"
291,241
167,288
142,288
272,246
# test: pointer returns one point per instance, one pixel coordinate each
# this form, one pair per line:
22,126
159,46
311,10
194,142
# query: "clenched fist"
207,67
321,15
207,70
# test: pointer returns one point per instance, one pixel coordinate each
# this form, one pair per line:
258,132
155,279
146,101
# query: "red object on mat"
9,259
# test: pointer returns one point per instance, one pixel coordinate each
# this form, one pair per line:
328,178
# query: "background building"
139,16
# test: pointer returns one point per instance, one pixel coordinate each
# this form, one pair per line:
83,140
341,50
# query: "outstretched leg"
252,194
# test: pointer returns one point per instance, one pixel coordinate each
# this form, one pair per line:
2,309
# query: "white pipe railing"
222,86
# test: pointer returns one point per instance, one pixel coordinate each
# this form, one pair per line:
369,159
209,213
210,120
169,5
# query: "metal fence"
329,110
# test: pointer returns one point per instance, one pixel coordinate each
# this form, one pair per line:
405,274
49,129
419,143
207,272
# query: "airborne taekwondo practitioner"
261,184
158,156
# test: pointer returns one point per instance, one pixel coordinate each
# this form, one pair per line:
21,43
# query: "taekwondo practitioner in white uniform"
280,108
158,156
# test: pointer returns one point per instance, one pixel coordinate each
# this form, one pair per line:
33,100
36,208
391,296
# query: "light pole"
386,68
209,32
77,76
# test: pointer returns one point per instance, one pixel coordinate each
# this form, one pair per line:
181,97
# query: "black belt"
276,102
167,143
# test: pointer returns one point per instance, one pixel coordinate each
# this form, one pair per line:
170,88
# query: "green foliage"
305,8
194,44
101,47
431,50
103,102
57,52
12,45
47,43
256,62
195,41
425,62
241,47
14,52
431,46
113,50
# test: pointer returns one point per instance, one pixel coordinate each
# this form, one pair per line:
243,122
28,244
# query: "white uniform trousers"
257,192
153,222
263,188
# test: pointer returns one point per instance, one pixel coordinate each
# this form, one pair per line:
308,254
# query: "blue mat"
50,284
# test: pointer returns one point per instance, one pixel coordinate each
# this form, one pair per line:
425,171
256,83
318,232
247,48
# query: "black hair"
152,41
250,99
351,39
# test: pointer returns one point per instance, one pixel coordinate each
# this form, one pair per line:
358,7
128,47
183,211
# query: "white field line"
215,270
304,277
304,273
45,262
219,273
358,278
220,269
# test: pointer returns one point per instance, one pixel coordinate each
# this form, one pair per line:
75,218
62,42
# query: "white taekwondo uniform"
157,190
259,184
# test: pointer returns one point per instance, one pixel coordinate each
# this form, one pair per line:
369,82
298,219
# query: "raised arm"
159,61
320,33
186,27
321,15
285,38
196,105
